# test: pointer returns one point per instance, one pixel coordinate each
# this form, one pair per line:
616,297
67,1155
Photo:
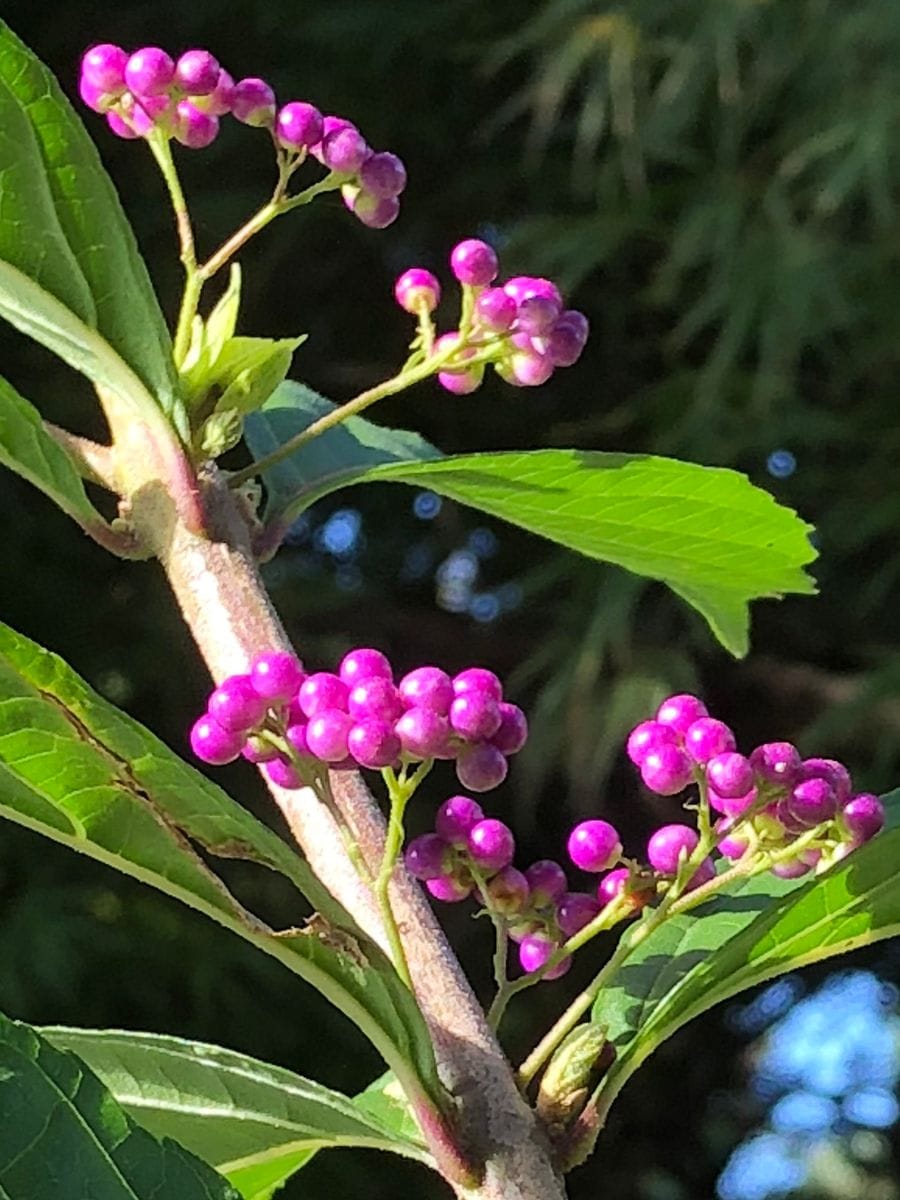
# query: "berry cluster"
520,326
185,98
278,715
765,801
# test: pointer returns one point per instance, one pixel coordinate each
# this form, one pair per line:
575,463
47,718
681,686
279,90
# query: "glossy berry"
194,128
94,97
525,367
417,289
461,381
327,734
427,857
666,770
428,687
567,338
344,150
730,774
491,844
495,310
122,128
594,846
731,806
835,773
383,175
475,716
295,735
218,101
547,881
647,737
478,679
707,738
474,262
423,733
253,102
456,817
257,750
535,950
863,816
364,663
236,704
103,67
374,697
197,73
733,846
509,891
523,287
213,744
666,846
149,71
481,767
537,315
776,763
276,675
298,125
812,801
615,884
680,712
449,889
576,909
283,774
512,732
322,690
373,743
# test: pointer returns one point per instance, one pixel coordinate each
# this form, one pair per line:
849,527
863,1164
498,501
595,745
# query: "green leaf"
76,769
27,449
248,370
754,931
714,538
256,1124
64,1137
61,224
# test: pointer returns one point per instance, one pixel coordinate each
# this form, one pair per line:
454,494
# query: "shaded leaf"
64,1137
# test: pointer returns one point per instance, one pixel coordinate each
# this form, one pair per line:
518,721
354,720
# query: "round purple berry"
423,733
295,735
547,881
103,67
731,845
218,101
525,367
364,663
508,891
283,773
812,801
373,743
481,767
417,289
427,857
258,750
792,868
276,675
197,73
253,102
708,738
776,763
647,737
236,704
149,71
512,732
665,847
213,744
474,262
594,846
666,770
475,716
383,175
537,315
194,128
461,381
478,679
94,97
495,310
863,816
449,889
680,712
327,734
523,287
830,770
576,909
298,125
323,690
730,775
535,951
731,806
374,697
344,150
491,844
428,687
567,338
456,817
122,128
615,885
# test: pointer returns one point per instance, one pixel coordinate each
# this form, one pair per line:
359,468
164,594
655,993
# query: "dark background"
715,183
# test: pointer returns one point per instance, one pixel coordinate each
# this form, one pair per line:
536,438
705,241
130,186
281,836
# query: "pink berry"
236,704
509,891
776,763
344,150
383,175
365,663
523,287
475,716
731,845
120,127
295,735
863,816
495,310
478,679
427,857
103,66
323,690
666,770
665,847
194,128
513,729
256,750
594,846
253,102
680,712
456,817
427,687
327,734
449,889
537,315
730,775
461,381
416,289
707,738
423,733
525,367
94,97
535,950
491,844
792,868
833,772
276,675
197,73
567,338
373,743
375,697
283,774
474,262
812,801
615,884
481,767
647,737
218,101
298,125
213,744
731,806
149,71
547,881
576,909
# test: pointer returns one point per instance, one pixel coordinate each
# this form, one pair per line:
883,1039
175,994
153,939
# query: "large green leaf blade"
707,532
62,225
76,769
255,1123
27,449
753,932
64,1137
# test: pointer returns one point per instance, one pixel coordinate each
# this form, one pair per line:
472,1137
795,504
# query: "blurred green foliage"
716,181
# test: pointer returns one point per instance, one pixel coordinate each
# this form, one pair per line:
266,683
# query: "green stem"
392,846
161,149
